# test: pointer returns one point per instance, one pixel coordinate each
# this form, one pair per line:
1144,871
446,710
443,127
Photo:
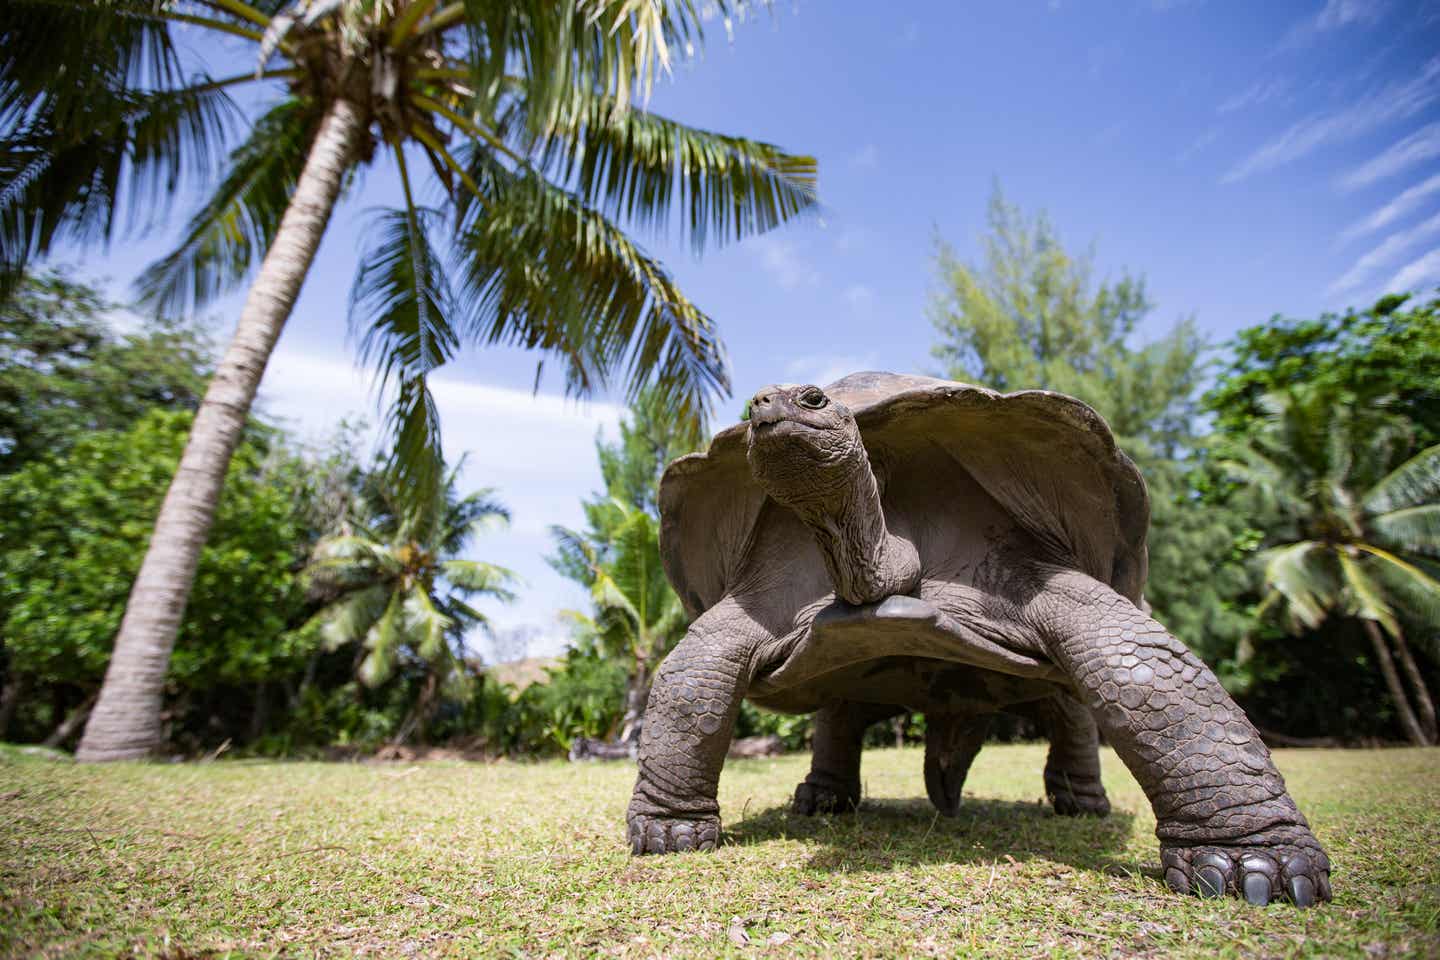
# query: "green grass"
304,859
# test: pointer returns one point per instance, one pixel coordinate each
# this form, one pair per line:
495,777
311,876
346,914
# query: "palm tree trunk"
1392,680
125,723
1424,706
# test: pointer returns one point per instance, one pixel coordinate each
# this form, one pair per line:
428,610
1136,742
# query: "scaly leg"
1224,819
688,726
833,784
1072,771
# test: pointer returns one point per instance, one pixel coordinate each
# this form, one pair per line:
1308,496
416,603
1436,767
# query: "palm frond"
426,627
1303,575
640,168
474,577
349,619
1415,592
130,151
545,271
382,642
575,557
1367,597
229,235
401,300
1416,482
1416,529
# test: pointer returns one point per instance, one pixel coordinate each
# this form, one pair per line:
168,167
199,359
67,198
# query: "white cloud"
1419,146
782,260
851,238
1408,200
1417,273
1198,144
825,368
866,157
1259,92
1333,16
1393,245
1395,102
1341,13
536,450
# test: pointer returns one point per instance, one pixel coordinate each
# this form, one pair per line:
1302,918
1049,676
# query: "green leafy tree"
73,527
1390,351
401,591
1358,539
521,110
65,372
1031,315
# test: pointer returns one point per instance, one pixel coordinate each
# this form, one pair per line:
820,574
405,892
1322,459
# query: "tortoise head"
804,448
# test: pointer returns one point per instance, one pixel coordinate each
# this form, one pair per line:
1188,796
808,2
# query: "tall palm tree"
520,109
637,614
402,592
1365,538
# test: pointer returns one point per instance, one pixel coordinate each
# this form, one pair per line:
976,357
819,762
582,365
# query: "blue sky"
1248,158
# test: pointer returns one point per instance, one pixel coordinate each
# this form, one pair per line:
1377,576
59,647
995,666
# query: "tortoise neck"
866,562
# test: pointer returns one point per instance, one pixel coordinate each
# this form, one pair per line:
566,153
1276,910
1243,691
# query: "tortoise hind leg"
1072,770
833,784
951,743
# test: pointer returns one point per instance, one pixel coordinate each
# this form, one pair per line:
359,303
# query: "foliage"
400,591
1386,351
63,371
73,528
1356,537
525,114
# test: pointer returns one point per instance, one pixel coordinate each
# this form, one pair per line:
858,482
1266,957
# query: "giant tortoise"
899,543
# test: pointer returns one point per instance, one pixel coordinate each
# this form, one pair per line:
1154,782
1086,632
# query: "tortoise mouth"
782,428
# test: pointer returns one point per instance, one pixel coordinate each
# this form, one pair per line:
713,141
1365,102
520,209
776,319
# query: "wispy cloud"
1407,201
1418,147
1396,101
1198,144
1388,250
824,368
1333,16
782,260
1417,273
1259,92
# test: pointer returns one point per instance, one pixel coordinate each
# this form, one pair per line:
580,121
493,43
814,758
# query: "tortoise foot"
1290,866
1076,796
815,798
672,834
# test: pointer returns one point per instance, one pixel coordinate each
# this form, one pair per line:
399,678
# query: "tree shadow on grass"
885,834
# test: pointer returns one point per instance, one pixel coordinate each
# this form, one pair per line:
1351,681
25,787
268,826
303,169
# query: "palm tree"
636,613
402,593
520,109
1364,538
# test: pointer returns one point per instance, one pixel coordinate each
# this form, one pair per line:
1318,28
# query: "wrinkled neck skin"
866,562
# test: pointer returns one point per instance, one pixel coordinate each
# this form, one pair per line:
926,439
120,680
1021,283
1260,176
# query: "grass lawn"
303,859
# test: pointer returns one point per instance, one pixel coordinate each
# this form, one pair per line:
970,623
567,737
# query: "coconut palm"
1364,538
520,111
402,592
636,613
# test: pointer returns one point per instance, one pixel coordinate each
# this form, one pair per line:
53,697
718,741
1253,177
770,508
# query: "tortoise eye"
812,398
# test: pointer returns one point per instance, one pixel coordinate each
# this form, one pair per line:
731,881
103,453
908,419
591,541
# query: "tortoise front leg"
1224,819
687,729
833,784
